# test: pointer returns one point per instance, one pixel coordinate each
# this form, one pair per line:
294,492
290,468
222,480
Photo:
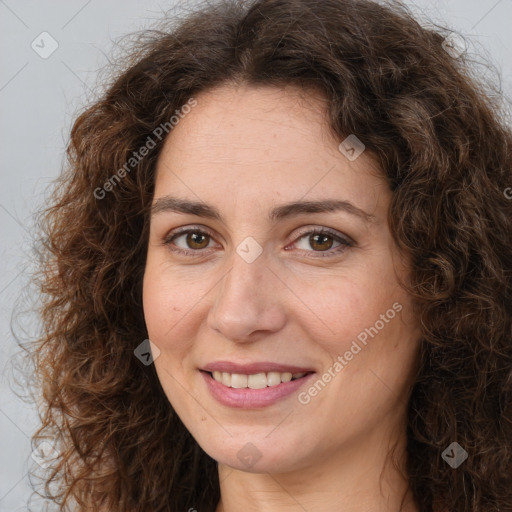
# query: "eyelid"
175,233
306,230
315,229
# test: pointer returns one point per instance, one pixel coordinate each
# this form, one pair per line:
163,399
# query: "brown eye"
322,242
196,240
189,241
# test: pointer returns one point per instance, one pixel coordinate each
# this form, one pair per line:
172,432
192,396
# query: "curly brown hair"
446,151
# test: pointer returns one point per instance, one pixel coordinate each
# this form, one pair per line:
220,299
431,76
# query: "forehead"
238,120
249,142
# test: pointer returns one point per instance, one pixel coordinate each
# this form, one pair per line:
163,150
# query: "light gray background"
38,100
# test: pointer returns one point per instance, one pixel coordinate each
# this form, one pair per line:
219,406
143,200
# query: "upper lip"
251,368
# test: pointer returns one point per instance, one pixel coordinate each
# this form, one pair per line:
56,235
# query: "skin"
245,150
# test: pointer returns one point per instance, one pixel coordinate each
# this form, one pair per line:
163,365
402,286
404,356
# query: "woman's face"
238,282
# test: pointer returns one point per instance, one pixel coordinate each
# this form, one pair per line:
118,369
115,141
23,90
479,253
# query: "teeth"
256,380
273,378
238,380
226,378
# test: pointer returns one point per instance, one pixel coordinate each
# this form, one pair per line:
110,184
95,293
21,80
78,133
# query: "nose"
247,302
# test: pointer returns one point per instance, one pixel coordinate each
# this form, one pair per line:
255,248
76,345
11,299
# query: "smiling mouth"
255,380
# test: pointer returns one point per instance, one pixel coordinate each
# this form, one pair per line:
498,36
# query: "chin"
259,454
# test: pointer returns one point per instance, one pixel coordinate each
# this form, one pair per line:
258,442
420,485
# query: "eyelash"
345,241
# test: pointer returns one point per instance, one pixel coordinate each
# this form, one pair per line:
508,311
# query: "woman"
302,205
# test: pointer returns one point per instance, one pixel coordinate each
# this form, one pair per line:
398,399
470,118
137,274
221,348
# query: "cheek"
165,313
165,309
344,307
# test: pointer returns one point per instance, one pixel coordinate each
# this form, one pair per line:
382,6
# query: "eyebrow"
287,210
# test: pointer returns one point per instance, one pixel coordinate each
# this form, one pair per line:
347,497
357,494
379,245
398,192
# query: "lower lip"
246,398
